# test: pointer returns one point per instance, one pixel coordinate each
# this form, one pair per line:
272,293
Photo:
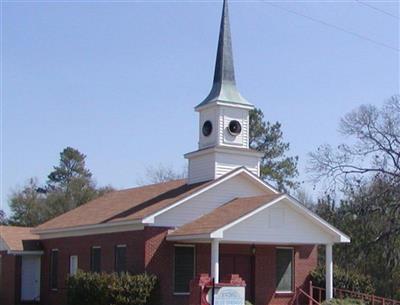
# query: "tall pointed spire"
224,84
224,69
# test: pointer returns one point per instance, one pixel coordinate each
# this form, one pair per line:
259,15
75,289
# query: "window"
95,259
54,269
73,264
184,268
284,270
120,258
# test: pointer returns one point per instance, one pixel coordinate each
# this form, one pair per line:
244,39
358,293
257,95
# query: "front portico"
270,224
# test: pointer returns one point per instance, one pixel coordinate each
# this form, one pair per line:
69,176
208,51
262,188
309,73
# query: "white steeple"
224,120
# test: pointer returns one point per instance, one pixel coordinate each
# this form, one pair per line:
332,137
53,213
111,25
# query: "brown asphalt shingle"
129,204
13,236
224,215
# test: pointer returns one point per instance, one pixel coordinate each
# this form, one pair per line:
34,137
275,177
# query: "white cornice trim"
94,229
187,238
22,252
222,103
224,149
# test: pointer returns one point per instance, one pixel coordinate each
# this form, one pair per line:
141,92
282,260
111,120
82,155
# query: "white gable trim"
242,170
3,245
318,220
343,238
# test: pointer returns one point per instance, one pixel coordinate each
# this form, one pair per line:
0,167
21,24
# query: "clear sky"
119,80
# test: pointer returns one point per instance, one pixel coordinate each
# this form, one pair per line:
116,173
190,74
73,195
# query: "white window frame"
73,266
194,265
293,270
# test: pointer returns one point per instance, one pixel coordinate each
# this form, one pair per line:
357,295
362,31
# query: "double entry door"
241,264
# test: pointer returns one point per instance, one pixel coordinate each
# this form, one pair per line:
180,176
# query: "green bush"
347,301
349,280
87,288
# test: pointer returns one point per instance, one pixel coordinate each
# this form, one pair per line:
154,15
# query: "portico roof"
224,215
273,218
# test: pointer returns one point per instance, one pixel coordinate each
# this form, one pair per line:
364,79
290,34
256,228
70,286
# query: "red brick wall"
10,279
81,246
149,251
159,261
305,261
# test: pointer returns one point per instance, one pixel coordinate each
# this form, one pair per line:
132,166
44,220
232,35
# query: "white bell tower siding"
220,116
214,162
223,120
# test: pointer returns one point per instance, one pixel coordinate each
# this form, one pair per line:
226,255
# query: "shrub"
87,288
349,280
347,301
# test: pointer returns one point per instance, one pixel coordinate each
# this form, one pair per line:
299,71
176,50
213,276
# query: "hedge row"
343,279
347,301
86,288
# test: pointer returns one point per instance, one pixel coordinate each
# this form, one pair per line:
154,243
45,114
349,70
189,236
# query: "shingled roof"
129,204
224,215
13,237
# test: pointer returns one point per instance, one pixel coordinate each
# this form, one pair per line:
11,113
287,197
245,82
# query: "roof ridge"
149,185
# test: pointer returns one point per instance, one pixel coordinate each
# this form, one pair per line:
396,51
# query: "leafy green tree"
3,218
69,185
366,214
27,205
366,170
71,167
267,138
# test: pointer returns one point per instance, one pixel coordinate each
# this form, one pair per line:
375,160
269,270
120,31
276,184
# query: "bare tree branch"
375,149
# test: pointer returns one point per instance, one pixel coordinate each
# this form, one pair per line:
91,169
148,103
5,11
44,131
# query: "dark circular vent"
207,128
234,127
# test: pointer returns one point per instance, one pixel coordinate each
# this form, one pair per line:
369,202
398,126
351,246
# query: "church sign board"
227,295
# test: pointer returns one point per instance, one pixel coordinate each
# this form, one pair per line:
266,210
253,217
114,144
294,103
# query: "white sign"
227,295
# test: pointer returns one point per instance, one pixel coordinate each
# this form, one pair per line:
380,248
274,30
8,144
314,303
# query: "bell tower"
223,120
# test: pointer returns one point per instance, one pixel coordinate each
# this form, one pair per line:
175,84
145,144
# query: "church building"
222,220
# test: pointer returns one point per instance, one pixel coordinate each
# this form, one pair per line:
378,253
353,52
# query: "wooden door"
238,264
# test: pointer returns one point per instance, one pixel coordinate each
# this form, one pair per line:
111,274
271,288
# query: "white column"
215,260
329,271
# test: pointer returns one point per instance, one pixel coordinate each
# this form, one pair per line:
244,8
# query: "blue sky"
119,80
